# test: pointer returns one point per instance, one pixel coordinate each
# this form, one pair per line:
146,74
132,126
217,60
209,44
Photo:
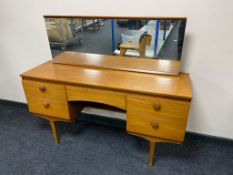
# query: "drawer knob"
42,88
155,124
46,104
157,107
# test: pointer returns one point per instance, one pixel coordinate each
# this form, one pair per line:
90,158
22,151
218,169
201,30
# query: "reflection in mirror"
140,38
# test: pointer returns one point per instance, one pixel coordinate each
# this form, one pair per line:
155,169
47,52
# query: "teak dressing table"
156,106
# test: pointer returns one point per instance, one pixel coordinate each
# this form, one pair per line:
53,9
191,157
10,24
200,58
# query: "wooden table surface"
163,85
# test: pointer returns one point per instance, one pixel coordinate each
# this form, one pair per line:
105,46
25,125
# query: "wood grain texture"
171,118
56,108
112,98
151,153
52,90
51,102
153,139
54,129
140,83
145,65
54,118
168,107
117,17
156,105
141,48
129,46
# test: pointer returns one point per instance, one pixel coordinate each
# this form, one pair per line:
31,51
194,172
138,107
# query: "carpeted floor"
86,148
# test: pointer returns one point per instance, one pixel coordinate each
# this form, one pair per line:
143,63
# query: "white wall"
207,54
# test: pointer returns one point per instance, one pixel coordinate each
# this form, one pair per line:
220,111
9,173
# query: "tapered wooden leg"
122,51
54,129
151,153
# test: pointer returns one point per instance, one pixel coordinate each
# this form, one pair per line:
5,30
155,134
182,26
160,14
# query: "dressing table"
156,105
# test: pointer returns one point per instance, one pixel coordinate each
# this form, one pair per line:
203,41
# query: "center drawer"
158,117
103,96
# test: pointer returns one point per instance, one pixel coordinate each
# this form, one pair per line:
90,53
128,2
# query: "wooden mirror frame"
155,66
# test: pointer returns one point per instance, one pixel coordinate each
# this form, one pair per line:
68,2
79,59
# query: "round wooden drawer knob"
46,104
157,107
42,88
155,124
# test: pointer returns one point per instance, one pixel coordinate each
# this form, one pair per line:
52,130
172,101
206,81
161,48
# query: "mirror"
135,37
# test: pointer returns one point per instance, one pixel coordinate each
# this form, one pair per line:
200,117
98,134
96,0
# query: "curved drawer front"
48,107
111,98
159,117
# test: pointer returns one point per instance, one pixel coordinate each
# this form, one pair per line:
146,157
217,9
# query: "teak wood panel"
145,65
168,128
169,107
55,108
161,85
112,98
50,90
171,123
46,98
49,86
118,17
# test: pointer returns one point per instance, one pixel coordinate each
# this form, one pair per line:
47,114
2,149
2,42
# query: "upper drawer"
108,97
156,105
42,89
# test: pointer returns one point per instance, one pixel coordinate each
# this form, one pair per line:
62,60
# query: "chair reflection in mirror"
135,40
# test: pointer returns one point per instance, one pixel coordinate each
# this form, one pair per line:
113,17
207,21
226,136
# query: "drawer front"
161,106
48,107
108,97
163,118
45,90
47,99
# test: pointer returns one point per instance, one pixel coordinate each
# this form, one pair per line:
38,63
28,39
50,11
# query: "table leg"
151,153
122,51
54,129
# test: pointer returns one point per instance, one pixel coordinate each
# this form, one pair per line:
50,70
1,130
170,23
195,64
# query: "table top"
144,83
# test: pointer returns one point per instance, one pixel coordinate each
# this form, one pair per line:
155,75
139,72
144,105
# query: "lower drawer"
48,107
157,117
155,125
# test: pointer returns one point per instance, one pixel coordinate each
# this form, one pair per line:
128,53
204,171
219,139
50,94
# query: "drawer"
108,97
45,90
158,117
48,107
156,105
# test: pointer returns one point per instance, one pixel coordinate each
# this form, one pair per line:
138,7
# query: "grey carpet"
27,147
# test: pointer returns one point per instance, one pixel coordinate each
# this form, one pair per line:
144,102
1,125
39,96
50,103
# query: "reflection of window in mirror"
139,38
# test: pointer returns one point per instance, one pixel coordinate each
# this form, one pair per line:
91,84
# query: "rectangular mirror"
158,39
